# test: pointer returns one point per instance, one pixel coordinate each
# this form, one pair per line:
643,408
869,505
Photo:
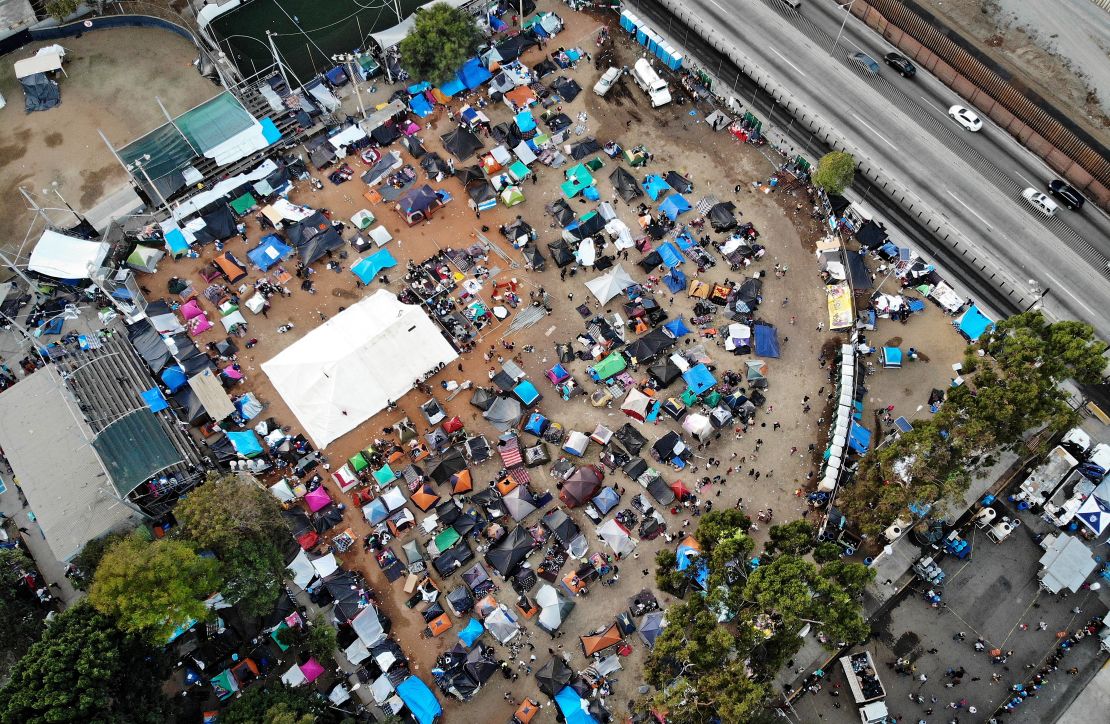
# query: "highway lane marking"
783,58
961,203
718,5
1025,179
881,137
934,107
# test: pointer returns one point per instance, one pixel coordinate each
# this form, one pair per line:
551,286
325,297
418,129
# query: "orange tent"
522,96
506,485
230,267
527,710
486,606
461,482
425,497
439,624
690,541
610,637
573,583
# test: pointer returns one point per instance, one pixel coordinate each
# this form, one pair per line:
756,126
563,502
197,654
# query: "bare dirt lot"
113,78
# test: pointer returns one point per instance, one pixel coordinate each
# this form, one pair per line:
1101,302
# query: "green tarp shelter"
446,539
384,475
578,178
243,204
358,462
610,366
595,164
519,171
134,449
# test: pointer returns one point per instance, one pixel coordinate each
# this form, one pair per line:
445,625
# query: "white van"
607,81
651,83
1039,201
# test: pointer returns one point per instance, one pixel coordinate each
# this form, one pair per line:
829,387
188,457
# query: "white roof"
610,284
391,36
367,626
41,63
616,537
325,565
1067,562
346,370
302,569
294,677
66,257
347,136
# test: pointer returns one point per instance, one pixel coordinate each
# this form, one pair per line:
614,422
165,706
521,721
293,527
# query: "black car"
902,64
1068,196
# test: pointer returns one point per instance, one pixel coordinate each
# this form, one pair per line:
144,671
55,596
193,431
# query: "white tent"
610,284
325,565
554,607
1066,563
302,569
622,235
282,491
502,625
586,253
367,627
294,677
697,425
617,538
346,370
1095,511
66,257
635,405
357,652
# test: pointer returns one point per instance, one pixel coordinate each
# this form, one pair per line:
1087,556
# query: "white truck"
1043,480
651,83
867,690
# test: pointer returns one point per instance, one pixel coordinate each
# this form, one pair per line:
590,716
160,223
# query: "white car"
607,81
965,118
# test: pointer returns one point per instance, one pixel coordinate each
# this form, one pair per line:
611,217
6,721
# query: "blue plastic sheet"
525,122
473,73
677,327
474,629
859,438
154,399
368,268
699,379
270,250
173,378
575,709
526,392
670,255
674,206
420,106
452,87
536,424
606,500
655,187
675,280
245,443
974,323
766,341
420,700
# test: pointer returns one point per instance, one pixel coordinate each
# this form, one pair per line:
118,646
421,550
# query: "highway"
974,180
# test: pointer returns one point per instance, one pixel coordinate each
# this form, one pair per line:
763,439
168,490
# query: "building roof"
48,446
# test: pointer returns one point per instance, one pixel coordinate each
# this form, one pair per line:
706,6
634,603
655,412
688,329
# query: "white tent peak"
610,284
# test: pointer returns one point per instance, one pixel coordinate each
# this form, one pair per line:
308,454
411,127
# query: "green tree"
153,587
226,510
835,171
61,9
89,558
21,620
86,670
441,40
826,552
795,538
253,570
320,638
270,703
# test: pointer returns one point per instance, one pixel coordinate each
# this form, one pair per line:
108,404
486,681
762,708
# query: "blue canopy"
699,379
674,205
176,243
675,280
474,74
369,267
575,709
526,392
766,341
337,75
974,323
420,106
375,511
269,251
677,327
420,700
452,87
536,424
418,87
859,437
892,357
655,186
606,500
154,399
525,122
670,255
470,634
173,378
245,443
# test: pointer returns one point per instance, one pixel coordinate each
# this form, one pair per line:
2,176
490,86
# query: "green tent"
145,259
384,475
578,178
447,539
713,398
276,636
358,462
511,196
519,171
689,398
610,366
243,204
595,164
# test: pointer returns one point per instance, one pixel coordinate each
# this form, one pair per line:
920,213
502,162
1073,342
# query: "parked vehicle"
608,80
965,118
1039,201
1068,196
866,62
650,82
901,63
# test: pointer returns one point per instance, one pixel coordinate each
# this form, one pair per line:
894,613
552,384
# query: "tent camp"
555,674
625,184
554,609
581,486
461,143
145,259
344,371
611,284
616,537
506,555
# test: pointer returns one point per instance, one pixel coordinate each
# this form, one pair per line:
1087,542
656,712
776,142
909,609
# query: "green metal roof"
134,449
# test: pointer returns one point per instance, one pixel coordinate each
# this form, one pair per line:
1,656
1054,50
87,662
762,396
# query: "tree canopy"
225,510
22,618
835,171
253,570
1011,386
153,587
441,40
273,704
84,669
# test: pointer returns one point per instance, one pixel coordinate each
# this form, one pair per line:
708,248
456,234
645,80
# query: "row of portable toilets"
651,40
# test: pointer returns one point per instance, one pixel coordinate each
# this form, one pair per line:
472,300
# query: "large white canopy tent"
346,370
66,257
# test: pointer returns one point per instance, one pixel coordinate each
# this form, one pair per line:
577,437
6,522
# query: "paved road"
974,180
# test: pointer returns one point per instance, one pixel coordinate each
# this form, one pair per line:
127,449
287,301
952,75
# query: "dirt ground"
715,162
107,88
1059,49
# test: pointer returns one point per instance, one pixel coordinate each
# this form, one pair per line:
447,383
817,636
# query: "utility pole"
19,272
277,58
847,12
346,59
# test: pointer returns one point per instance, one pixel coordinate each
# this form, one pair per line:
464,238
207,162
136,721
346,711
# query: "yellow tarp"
841,314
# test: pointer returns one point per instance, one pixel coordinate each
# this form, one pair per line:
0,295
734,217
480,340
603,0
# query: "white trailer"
1043,480
648,80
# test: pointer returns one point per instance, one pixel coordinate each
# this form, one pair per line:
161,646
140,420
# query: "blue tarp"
337,76
525,122
452,87
892,357
670,255
684,240
526,392
420,700
245,443
420,106
270,250
677,327
655,186
766,341
606,500
154,399
173,378
675,280
368,268
575,709
470,634
473,73
375,511
859,438
691,557
536,424
674,205
974,323
175,242
699,379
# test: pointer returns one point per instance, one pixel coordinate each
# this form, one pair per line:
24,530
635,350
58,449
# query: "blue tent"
859,438
670,255
375,511
269,251
420,700
369,267
699,379
154,399
974,323
575,709
684,240
173,378
606,500
655,186
420,106
420,87
525,122
245,443
677,327
175,242
470,634
474,74
892,357
674,205
452,87
766,341
527,393
691,558
536,424
675,280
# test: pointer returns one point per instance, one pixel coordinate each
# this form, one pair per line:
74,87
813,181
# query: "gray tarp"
504,413
625,184
40,93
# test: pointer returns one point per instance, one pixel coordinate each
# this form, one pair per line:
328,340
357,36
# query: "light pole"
139,165
54,188
346,59
847,12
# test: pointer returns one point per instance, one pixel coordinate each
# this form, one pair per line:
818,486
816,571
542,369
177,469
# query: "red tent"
679,489
453,425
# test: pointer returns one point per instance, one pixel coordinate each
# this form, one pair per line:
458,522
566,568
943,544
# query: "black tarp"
560,253
416,200
561,212
478,666
544,68
533,257
461,143
664,371
630,438
749,292
313,237
481,191
446,563
566,87
553,676
149,344
589,227
482,398
651,261
469,174
192,409
39,93
433,164
634,468
450,463
320,152
219,220
507,133
721,216
625,184
511,48
414,146
506,555
838,203
385,134
580,150
857,270
664,446
319,245
561,526
516,229
650,346
871,235
558,122
678,182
